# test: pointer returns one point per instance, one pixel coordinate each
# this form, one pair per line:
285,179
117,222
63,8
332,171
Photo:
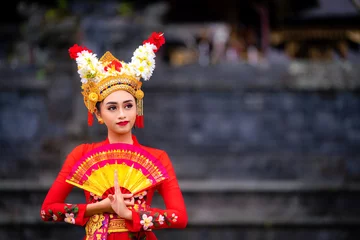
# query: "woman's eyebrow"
126,101
108,103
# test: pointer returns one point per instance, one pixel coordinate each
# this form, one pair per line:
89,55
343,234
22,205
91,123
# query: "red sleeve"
54,207
174,216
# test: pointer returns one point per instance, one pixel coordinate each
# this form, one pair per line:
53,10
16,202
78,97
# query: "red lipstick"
122,123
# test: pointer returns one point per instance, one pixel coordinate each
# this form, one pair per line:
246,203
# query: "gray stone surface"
60,232
245,134
213,203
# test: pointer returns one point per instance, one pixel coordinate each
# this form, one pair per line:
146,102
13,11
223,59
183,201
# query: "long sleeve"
54,207
174,216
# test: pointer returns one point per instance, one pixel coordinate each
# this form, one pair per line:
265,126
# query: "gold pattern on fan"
101,178
120,154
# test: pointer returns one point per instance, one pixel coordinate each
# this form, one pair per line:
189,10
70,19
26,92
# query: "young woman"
112,92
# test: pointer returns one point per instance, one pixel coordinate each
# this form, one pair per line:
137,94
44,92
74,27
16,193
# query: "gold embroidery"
117,225
93,224
96,221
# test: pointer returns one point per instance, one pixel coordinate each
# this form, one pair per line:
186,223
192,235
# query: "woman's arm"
174,216
54,207
98,207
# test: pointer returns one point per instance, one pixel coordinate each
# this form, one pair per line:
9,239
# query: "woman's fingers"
129,201
116,183
127,195
111,197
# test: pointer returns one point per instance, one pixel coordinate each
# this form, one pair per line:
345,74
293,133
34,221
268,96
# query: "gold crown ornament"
101,77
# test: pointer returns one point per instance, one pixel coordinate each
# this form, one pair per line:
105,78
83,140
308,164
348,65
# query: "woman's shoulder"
156,152
85,147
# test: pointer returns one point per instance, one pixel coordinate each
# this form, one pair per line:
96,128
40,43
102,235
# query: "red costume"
144,218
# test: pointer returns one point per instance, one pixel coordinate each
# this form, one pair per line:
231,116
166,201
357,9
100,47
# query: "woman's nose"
121,113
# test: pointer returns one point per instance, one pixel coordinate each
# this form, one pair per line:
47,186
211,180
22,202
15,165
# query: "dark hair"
98,106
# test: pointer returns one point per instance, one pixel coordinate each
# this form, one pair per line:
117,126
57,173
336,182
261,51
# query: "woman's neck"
123,138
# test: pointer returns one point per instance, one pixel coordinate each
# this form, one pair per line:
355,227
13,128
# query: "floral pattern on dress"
156,219
147,221
68,215
140,197
71,212
49,215
94,198
140,202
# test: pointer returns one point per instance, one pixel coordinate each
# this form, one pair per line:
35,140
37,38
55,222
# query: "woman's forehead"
119,96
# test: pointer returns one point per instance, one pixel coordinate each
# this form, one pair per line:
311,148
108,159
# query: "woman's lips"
122,123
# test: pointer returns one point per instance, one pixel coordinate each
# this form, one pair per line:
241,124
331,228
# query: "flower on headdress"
75,49
89,67
93,97
127,69
143,61
113,65
142,64
157,39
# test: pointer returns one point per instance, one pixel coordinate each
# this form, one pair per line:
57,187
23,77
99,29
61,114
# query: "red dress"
144,220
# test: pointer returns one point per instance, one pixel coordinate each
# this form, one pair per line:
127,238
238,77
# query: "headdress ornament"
101,77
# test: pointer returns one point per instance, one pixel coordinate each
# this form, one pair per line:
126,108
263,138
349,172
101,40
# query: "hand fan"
136,168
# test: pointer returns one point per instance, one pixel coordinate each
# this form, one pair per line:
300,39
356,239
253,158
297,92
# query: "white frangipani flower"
89,67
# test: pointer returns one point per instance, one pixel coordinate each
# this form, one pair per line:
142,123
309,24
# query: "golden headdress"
101,77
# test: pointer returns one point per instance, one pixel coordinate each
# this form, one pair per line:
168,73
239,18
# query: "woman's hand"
106,202
119,202
105,205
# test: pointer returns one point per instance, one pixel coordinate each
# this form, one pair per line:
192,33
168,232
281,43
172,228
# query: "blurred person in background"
204,47
220,38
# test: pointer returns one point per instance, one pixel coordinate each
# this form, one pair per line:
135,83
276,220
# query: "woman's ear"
97,113
98,116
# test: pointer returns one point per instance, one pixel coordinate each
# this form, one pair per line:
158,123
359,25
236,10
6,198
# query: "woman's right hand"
106,203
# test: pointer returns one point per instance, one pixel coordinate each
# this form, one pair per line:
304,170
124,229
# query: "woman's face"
118,111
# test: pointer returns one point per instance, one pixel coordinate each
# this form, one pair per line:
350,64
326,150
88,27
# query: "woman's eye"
129,106
112,108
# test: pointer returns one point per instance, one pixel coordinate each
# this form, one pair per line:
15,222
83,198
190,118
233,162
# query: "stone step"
274,166
50,231
247,166
221,203
212,186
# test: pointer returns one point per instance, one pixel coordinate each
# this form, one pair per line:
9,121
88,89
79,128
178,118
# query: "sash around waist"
117,225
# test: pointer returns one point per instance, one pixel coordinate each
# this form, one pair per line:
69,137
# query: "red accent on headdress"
90,119
114,64
139,121
157,39
75,49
